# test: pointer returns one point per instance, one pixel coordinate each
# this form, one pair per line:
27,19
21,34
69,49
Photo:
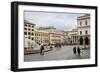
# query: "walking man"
74,51
41,50
78,51
51,48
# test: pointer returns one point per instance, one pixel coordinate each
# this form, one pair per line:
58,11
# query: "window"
25,33
29,33
32,29
29,29
80,23
28,37
37,34
86,32
80,32
32,38
32,33
25,28
85,22
29,25
25,24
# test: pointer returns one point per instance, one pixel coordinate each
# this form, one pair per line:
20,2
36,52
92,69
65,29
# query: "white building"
83,29
73,36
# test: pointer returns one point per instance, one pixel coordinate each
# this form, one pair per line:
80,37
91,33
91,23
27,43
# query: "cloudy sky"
61,21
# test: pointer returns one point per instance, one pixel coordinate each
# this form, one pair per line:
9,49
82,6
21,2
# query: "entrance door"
86,41
81,41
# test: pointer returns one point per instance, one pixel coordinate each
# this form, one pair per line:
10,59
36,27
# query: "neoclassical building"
73,37
83,29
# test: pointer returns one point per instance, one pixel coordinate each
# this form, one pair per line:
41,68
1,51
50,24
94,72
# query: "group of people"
76,51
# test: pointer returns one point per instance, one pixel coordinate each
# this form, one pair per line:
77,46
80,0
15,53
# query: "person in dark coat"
78,50
74,50
41,50
51,48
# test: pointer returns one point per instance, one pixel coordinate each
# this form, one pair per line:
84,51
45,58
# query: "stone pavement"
64,53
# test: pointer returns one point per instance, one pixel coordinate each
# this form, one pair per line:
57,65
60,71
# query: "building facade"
32,34
73,37
83,29
56,37
42,35
48,35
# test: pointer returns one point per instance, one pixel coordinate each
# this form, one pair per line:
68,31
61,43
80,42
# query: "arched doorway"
81,41
86,41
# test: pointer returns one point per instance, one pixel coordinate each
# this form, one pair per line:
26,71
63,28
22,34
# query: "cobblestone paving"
64,53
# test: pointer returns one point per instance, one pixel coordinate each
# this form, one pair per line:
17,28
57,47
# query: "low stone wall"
30,51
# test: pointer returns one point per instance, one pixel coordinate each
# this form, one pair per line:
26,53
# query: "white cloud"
61,21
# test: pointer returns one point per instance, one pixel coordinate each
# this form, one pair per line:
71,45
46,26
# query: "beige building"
41,36
49,35
28,31
45,35
56,37
35,35
83,29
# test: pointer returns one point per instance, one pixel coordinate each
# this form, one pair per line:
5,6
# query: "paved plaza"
64,53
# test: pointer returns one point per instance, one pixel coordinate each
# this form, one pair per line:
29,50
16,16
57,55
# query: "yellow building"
32,34
41,37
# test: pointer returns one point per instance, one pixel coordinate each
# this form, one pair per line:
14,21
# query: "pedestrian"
74,51
51,48
78,51
41,50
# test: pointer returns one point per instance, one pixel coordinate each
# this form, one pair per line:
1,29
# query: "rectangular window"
25,24
29,29
80,32
80,23
29,37
29,25
85,22
86,32
32,38
29,33
32,29
32,33
25,28
25,33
